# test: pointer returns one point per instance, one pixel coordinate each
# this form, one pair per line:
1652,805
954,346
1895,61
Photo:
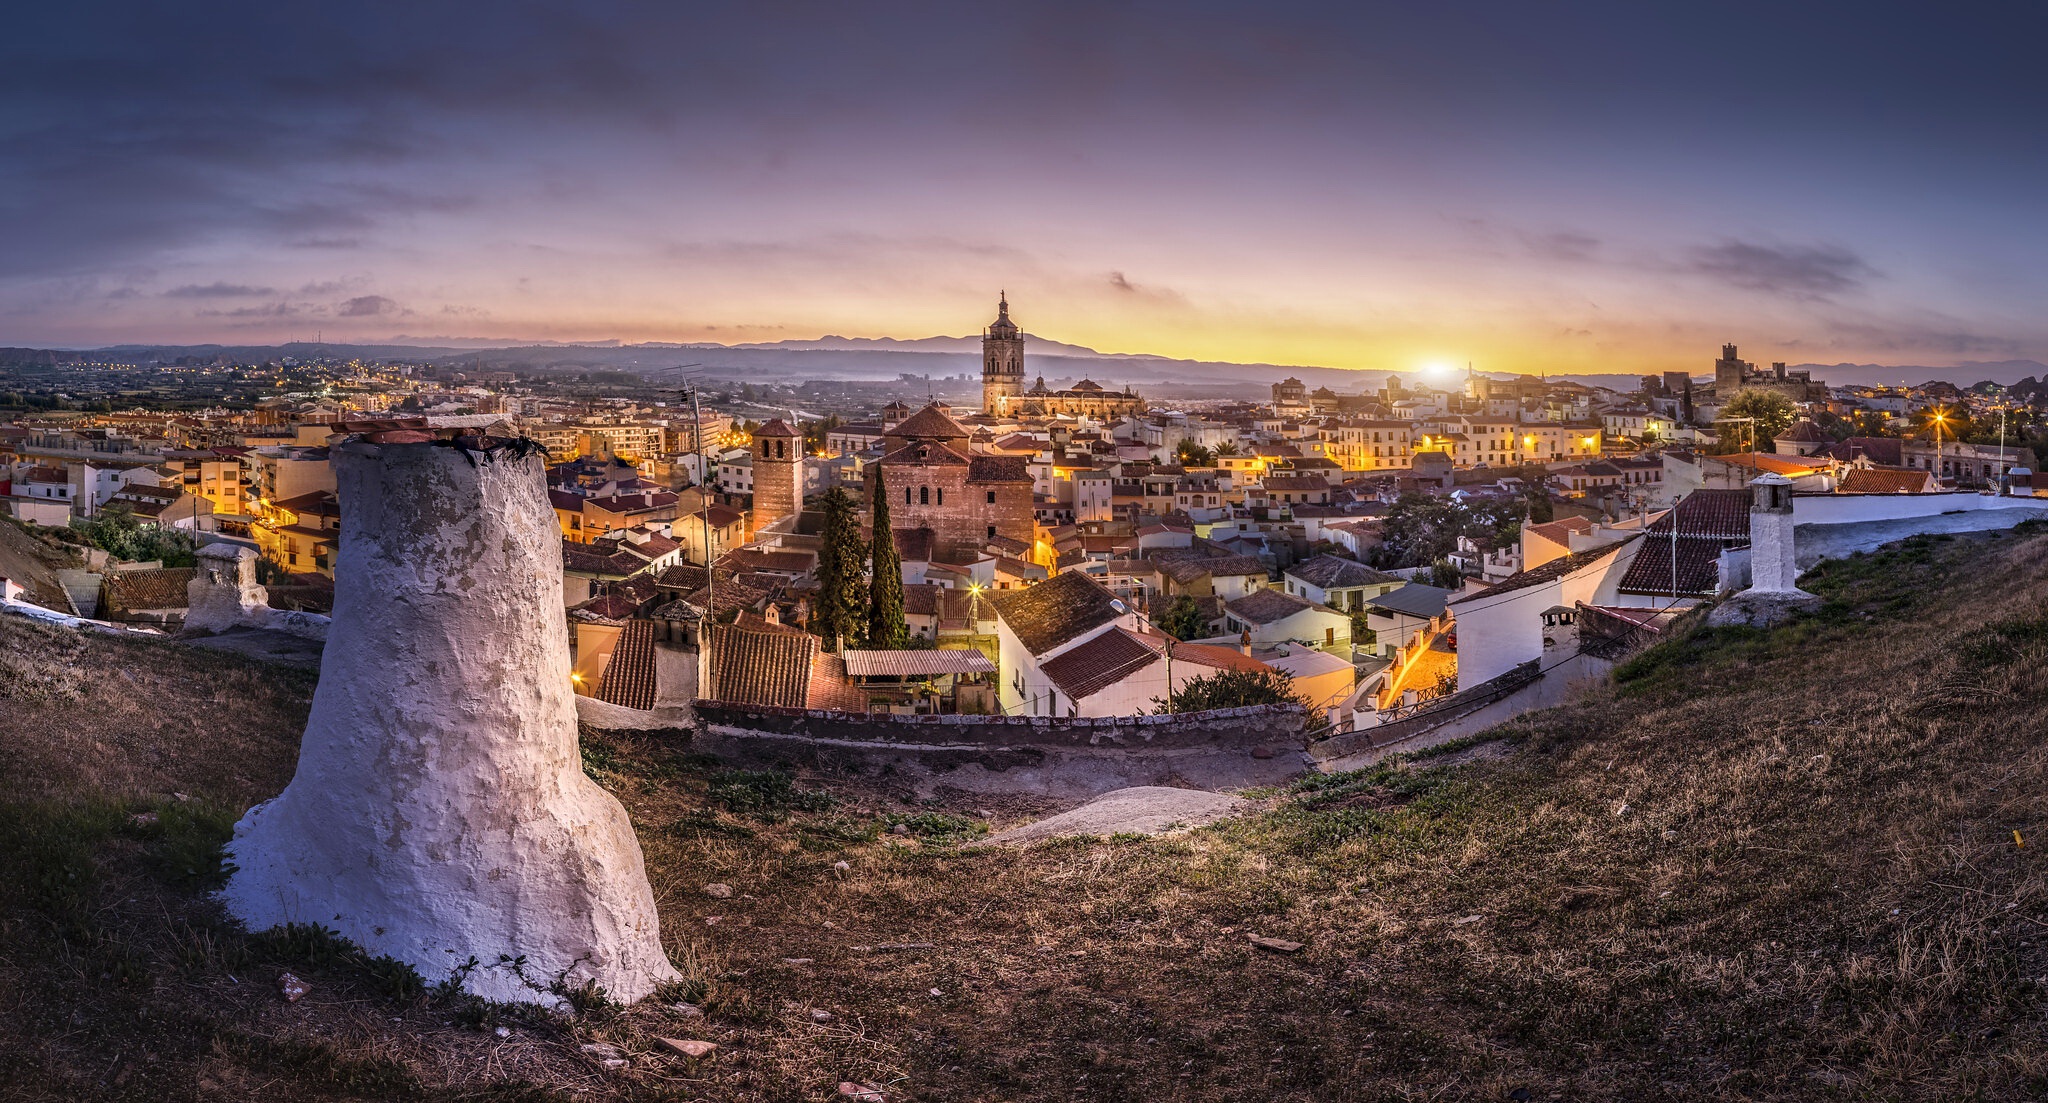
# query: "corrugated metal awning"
915,664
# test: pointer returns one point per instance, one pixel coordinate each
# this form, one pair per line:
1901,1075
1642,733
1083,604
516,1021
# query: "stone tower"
1002,360
778,473
1730,372
440,814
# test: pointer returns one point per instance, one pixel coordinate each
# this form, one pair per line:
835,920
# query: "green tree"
1227,448
1444,575
1417,531
1773,413
1190,454
1182,619
842,577
886,628
116,532
1229,689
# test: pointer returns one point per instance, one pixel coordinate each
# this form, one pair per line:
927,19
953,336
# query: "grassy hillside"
1769,865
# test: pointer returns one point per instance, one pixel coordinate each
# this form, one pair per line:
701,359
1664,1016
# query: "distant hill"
835,357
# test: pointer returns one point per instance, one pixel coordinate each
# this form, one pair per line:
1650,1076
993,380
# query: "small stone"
796,961
690,1047
717,889
1467,920
605,1054
985,813
820,1015
1277,945
291,987
503,1032
936,993
862,1093
687,1010
180,797
900,829
1263,751
842,865
142,819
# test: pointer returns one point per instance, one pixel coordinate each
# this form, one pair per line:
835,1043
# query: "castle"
1002,382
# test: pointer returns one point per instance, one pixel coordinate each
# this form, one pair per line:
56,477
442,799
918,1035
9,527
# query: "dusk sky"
1531,187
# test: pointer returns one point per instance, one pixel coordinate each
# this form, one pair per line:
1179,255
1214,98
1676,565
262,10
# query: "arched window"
924,495
942,495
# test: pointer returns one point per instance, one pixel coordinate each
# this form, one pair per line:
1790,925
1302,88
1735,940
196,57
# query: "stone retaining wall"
1221,749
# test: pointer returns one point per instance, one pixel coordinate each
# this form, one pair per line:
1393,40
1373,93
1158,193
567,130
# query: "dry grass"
1767,866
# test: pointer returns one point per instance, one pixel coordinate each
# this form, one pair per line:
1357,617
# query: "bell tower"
1002,361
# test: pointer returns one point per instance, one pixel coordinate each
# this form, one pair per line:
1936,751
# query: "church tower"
1002,360
778,473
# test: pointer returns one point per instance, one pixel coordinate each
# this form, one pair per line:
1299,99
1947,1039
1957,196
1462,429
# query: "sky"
1527,187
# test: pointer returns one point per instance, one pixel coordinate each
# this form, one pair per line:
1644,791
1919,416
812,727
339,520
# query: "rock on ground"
1142,810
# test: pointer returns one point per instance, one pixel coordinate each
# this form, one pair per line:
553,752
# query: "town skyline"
1309,186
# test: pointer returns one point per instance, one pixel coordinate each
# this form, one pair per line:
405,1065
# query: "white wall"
1838,509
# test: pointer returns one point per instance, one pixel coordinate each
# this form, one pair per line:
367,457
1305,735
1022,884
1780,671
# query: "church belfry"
1002,361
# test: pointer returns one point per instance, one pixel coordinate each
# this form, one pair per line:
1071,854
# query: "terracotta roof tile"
754,663
1099,663
1055,611
1268,606
629,676
127,592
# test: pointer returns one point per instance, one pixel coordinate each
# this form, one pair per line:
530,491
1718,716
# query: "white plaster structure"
440,813
223,595
1772,567
1774,594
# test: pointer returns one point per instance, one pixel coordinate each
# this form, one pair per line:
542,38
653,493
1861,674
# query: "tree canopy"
1773,413
886,628
839,616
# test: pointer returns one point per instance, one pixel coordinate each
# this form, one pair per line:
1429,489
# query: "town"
1411,558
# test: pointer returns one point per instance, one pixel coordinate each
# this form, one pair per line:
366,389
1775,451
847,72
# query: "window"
906,495
991,498
991,530
924,495
942,495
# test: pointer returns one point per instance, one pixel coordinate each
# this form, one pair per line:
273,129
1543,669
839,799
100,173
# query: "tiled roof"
761,559
319,501
930,423
1886,480
599,559
920,599
1056,610
1803,431
135,591
1185,569
1268,606
829,688
1560,530
1775,464
757,663
1887,451
1712,513
1698,566
1295,483
607,609
1549,572
916,664
1414,599
776,427
1327,572
629,676
1217,657
927,453
1101,662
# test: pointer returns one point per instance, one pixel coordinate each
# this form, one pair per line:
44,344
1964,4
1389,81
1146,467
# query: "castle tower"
1002,361
1730,371
778,473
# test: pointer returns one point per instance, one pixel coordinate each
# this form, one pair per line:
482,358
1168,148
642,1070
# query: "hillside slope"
1772,865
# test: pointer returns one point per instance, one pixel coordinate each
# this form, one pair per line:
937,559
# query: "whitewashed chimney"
440,814
1772,565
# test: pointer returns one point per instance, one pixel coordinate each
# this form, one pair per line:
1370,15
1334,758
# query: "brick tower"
778,473
1002,360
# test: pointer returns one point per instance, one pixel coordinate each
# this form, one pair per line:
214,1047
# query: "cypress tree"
841,560
885,580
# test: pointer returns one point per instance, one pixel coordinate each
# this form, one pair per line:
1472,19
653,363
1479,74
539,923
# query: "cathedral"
1002,382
